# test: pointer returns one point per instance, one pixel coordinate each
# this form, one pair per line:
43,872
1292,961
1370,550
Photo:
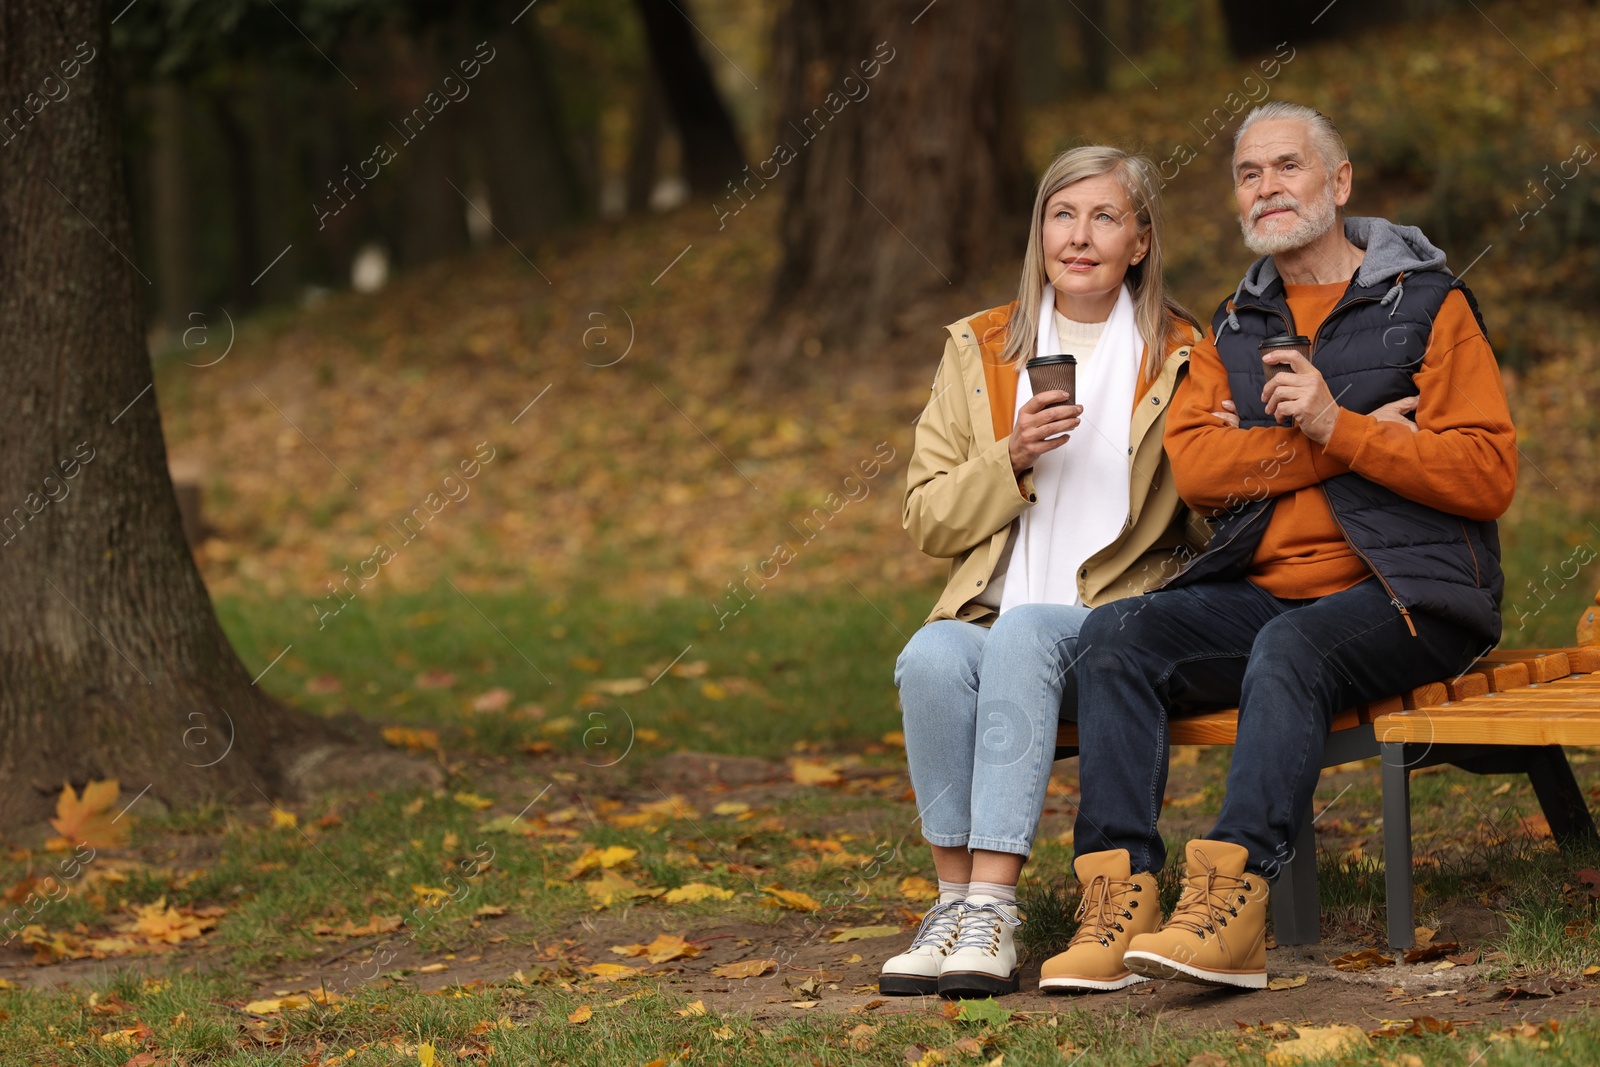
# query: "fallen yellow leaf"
917,887
696,891
582,1015
697,1007
87,819
745,969
1315,1043
614,856
425,1054
1282,982
665,947
620,687
792,898
611,972
814,772
731,807
412,740
473,801
159,923
609,887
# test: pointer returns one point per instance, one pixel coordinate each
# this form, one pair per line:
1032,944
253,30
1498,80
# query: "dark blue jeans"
1289,665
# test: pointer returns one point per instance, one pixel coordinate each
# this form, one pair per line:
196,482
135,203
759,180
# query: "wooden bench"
1509,713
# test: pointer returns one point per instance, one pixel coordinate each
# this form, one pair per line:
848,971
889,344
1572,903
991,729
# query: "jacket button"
1032,497
1130,450
1155,400
1084,573
980,581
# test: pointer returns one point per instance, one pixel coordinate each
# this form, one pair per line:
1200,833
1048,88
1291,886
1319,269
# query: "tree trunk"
171,200
1255,27
1094,51
112,664
918,185
245,260
528,159
644,145
432,221
712,156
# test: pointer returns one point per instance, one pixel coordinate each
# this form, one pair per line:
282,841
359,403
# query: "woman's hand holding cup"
1040,420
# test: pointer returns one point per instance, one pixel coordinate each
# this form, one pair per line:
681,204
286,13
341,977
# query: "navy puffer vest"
1367,349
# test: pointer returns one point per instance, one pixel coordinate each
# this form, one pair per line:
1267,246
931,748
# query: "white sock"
951,891
1006,894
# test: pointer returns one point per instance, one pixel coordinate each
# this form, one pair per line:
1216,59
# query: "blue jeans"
1289,665
981,707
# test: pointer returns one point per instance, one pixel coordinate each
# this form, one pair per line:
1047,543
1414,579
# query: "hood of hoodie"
1390,249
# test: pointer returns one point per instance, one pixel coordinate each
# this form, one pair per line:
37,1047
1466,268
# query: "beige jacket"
961,495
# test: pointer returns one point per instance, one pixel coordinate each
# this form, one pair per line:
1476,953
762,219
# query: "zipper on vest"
1393,597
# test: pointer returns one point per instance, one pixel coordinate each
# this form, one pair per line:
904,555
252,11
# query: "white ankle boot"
983,960
916,970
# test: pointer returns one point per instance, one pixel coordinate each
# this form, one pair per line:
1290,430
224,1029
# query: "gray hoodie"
1391,250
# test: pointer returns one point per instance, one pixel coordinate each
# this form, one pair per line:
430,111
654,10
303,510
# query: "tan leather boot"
1115,906
1218,932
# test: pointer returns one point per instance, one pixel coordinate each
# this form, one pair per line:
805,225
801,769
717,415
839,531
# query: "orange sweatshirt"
1462,460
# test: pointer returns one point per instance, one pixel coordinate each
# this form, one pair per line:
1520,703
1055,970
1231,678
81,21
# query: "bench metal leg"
1295,919
1397,844
1560,798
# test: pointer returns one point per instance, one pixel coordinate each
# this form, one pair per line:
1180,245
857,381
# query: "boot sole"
963,984
1152,965
907,985
1089,985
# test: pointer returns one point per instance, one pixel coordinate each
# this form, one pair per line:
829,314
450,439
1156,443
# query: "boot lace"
978,933
1209,900
939,925
1102,910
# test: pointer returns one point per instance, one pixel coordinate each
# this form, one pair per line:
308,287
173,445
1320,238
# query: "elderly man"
1354,555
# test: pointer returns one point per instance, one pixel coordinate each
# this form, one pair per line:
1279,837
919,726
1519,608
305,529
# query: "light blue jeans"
981,706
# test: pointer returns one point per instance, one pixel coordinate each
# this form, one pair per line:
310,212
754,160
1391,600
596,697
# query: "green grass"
817,669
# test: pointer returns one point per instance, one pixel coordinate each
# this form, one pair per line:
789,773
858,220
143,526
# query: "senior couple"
1291,543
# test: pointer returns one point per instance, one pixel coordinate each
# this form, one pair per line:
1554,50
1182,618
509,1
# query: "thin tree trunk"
712,156
112,663
916,186
245,261
1093,51
433,221
528,158
171,204
644,148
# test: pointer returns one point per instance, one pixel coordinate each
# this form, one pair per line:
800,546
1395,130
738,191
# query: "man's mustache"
1277,203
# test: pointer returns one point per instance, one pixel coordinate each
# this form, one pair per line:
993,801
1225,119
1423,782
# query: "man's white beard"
1309,226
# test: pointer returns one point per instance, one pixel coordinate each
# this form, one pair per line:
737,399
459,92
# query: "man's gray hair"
1324,134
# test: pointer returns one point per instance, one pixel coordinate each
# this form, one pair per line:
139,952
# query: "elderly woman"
1045,509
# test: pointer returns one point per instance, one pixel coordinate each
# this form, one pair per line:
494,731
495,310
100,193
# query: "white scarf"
1082,486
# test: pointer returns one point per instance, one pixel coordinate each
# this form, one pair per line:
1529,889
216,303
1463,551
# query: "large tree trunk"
711,153
915,187
112,663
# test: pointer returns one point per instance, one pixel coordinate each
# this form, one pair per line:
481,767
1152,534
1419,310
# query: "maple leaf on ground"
87,819
665,947
160,924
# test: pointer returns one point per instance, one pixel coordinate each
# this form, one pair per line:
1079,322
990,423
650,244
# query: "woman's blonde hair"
1154,311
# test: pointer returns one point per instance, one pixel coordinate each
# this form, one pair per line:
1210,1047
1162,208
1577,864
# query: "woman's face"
1090,236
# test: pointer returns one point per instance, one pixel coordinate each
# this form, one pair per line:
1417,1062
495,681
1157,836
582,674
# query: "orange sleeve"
1217,466
1463,457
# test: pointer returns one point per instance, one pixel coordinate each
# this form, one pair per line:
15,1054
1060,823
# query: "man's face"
1287,196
